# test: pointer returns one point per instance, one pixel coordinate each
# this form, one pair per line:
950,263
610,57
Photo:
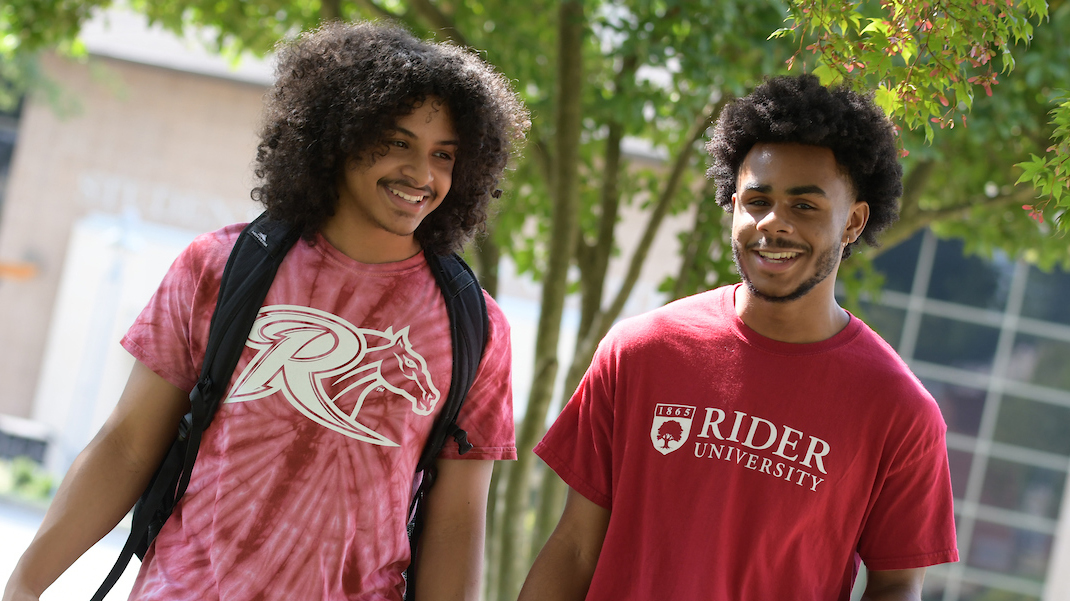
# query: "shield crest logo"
671,426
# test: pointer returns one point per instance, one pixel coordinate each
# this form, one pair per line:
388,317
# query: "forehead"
783,166
429,118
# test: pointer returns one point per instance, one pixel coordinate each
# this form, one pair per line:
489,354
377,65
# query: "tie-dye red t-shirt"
304,478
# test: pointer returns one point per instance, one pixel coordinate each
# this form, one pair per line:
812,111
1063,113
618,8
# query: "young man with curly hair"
756,441
380,148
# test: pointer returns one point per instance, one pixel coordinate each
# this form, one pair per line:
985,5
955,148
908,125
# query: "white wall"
113,266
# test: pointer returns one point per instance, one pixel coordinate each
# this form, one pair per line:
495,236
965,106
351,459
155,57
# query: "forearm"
104,481
565,566
449,564
894,585
891,595
560,573
98,490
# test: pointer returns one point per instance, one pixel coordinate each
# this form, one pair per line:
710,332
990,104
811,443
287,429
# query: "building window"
990,339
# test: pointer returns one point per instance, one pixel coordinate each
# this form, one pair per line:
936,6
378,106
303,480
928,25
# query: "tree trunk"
487,255
694,267
331,10
604,320
492,552
592,282
555,286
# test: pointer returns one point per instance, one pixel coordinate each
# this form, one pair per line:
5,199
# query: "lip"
775,258
775,265
401,195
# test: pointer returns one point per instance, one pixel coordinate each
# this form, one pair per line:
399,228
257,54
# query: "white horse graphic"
317,360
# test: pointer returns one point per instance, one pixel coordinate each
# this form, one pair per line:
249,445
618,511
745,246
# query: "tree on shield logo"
672,424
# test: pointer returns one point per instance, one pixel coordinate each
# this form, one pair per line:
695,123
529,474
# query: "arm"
104,481
565,566
894,585
451,545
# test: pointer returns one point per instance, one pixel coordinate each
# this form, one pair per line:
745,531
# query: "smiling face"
384,197
794,210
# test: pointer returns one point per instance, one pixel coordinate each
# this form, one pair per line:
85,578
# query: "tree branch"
378,10
543,158
439,21
683,157
330,10
604,319
698,242
593,274
914,185
906,227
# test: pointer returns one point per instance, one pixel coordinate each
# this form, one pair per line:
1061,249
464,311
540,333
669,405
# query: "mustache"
406,184
769,244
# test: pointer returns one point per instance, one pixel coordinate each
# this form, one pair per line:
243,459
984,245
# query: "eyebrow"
405,132
794,191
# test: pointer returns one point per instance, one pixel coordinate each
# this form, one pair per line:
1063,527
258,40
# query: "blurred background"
128,129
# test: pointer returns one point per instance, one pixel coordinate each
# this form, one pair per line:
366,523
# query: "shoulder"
494,312
892,386
499,325
873,356
676,323
209,251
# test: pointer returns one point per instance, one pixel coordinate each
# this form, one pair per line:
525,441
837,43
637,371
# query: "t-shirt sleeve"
911,523
579,444
161,336
487,412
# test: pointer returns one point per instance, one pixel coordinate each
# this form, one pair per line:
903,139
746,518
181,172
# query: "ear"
857,217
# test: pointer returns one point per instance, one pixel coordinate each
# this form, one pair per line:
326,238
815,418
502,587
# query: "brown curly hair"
798,109
341,88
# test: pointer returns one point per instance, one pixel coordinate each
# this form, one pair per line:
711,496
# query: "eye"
397,143
805,206
444,155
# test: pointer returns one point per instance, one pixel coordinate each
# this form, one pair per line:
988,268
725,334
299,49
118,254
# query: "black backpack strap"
250,269
469,329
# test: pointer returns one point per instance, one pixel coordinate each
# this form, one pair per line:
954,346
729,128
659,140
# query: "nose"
418,169
774,221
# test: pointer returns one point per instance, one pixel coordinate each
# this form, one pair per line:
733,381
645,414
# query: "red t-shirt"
303,480
740,468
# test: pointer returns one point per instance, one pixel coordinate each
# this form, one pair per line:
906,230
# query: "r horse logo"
672,424
318,361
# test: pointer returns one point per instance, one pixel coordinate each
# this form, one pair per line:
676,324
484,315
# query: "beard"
826,264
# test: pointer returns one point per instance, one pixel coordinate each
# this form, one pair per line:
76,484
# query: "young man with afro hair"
380,148
757,441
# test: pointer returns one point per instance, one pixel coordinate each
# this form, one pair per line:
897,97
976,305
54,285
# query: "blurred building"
105,184
97,200
991,341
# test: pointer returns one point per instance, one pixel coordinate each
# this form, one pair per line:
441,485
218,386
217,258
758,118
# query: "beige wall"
152,144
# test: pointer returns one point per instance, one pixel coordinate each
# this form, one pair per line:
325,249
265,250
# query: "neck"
367,245
813,318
